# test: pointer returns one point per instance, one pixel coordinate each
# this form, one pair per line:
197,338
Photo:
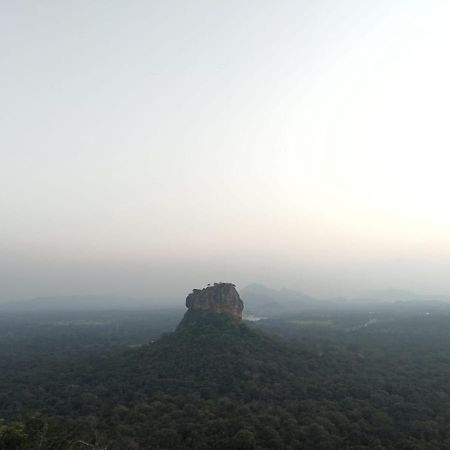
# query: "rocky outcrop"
220,298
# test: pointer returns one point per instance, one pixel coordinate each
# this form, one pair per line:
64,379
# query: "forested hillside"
67,382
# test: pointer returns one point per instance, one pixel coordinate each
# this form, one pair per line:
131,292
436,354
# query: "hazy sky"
150,147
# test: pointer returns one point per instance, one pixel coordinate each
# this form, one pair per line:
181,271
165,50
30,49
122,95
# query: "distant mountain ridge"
263,301
259,301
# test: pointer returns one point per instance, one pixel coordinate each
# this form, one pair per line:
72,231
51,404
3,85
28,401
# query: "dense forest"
124,380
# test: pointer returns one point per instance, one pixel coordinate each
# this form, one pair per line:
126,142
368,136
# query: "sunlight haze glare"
150,146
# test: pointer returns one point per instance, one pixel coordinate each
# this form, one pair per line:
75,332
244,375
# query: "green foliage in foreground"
215,384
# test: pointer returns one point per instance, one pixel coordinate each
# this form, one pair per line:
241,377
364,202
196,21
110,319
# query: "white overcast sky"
150,147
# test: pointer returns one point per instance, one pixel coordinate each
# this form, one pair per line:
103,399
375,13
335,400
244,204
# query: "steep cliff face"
219,298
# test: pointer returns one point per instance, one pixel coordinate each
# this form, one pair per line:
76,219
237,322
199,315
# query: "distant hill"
260,301
263,301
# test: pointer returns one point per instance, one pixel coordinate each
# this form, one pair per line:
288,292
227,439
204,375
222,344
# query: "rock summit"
219,298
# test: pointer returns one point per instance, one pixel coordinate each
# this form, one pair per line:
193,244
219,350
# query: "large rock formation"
219,298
